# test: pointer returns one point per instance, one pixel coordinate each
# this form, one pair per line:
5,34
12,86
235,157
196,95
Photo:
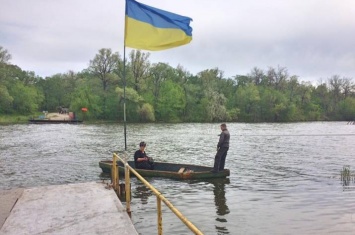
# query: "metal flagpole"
124,81
124,98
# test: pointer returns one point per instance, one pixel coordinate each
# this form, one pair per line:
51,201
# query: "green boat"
169,170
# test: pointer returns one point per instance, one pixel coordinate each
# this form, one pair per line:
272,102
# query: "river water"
285,178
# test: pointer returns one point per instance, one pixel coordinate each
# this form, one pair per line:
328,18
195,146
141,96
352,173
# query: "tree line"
159,92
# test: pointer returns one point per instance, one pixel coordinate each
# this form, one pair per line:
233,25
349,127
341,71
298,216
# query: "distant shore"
19,119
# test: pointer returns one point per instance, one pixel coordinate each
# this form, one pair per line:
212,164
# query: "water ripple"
285,178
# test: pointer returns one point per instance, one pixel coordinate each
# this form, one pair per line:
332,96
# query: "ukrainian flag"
153,29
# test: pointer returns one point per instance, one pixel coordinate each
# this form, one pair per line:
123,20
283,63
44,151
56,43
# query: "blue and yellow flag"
153,29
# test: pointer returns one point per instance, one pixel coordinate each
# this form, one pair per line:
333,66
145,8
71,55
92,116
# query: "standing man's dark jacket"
223,139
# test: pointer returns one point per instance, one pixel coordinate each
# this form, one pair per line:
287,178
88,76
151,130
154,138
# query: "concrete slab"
8,199
85,208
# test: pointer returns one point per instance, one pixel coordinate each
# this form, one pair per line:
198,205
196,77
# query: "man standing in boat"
222,149
141,160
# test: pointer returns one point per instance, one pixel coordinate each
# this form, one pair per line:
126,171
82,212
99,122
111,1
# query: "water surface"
285,178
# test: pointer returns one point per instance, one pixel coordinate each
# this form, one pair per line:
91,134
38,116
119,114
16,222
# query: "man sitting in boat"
141,160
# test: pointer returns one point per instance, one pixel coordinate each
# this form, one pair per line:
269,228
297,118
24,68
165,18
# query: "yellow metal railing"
160,197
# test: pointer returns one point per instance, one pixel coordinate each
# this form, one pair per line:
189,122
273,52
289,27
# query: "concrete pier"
8,199
84,208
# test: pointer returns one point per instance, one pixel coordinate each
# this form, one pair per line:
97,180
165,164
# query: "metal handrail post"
159,196
114,173
118,182
160,217
191,226
128,188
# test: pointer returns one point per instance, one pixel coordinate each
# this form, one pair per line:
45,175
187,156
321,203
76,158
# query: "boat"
56,118
47,121
168,170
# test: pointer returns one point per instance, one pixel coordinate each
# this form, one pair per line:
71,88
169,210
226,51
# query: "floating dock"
84,208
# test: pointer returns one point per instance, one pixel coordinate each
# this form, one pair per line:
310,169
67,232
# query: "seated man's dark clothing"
141,160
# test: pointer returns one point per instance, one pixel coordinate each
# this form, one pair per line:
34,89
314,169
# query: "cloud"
313,39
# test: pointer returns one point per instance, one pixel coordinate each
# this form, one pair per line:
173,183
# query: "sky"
313,39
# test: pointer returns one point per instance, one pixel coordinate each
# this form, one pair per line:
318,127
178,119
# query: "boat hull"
44,121
169,170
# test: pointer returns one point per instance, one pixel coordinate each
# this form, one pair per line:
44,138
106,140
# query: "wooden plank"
182,169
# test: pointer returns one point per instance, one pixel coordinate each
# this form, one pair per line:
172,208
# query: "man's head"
142,144
223,126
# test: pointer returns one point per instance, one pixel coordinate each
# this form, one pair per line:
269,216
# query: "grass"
14,119
346,176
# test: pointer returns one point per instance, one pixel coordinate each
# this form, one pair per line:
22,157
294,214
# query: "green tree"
139,66
209,77
214,104
335,89
83,97
195,109
133,100
228,88
55,93
321,97
171,102
159,73
146,113
347,109
256,75
26,98
103,65
5,100
277,77
247,99
242,80
5,56
274,106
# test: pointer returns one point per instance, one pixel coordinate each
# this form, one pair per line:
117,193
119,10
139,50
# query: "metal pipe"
114,172
118,181
128,188
160,217
128,168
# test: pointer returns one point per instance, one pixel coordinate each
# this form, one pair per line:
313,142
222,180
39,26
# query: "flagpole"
124,83
124,98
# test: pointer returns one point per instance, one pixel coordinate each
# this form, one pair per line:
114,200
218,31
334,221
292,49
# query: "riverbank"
20,119
13,119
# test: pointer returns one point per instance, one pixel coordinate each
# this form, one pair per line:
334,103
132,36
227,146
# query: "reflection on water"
285,178
220,196
142,192
221,203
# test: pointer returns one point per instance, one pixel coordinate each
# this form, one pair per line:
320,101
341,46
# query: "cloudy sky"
313,39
